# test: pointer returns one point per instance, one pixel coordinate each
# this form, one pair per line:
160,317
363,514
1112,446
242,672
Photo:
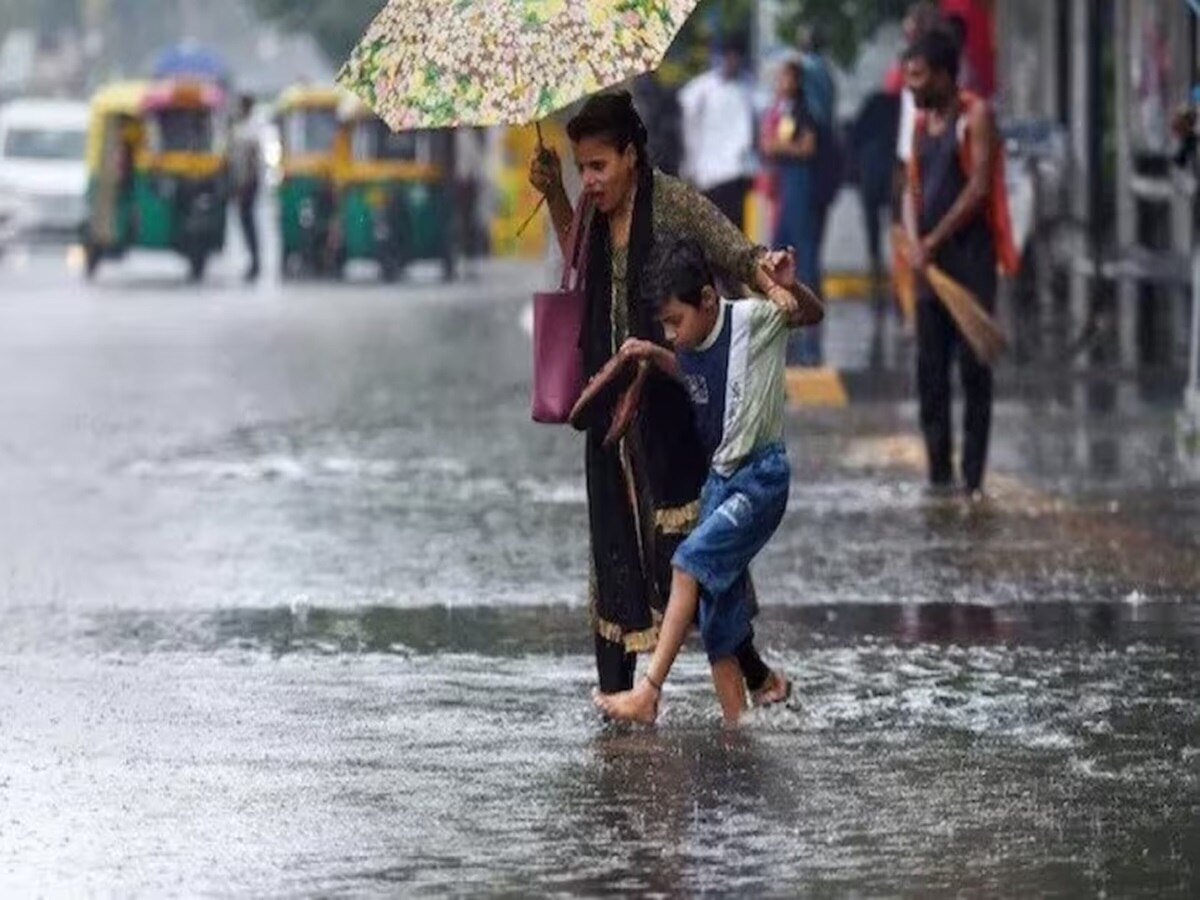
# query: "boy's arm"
649,352
798,303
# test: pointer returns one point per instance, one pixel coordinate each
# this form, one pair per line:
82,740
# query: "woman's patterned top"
682,211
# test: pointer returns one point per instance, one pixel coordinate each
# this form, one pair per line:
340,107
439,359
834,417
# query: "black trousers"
247,202
616,668
938,342
730,198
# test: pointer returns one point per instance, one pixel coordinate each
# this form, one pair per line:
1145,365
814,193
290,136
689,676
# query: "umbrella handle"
543,153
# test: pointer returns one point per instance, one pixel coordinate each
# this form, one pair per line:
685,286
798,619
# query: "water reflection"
506,632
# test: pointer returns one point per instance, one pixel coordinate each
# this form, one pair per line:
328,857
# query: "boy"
730,356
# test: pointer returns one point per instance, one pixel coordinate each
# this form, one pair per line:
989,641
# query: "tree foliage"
335,24
338,24
847,24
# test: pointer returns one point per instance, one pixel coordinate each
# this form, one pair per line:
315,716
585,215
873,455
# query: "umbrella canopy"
191,61
444,63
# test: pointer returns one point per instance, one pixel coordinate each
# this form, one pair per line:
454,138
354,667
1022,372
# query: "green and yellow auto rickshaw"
394,205
156,172
308,130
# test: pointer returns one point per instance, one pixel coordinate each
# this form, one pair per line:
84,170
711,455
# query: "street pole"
1192,393
1127,292
1082,85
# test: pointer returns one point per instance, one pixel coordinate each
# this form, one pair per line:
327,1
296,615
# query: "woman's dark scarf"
664,453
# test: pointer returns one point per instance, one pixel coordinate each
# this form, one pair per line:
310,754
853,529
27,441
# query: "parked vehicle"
43,178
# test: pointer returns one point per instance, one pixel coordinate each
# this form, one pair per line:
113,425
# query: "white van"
42,168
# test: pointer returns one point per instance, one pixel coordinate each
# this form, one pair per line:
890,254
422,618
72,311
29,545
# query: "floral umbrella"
445,63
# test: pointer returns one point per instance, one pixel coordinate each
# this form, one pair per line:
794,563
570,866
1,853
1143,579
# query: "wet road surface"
291,594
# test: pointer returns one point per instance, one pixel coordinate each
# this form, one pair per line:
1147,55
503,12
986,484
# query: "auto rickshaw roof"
305,96
123,97
134,97
183,92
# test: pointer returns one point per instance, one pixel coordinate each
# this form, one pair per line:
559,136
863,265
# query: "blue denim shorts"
738,515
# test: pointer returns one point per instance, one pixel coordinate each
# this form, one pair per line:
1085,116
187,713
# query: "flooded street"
292,596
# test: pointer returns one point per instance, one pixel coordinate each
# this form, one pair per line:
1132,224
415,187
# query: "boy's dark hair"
679,270
939,50
612,117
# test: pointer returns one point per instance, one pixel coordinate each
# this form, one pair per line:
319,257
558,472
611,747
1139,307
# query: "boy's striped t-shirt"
736,381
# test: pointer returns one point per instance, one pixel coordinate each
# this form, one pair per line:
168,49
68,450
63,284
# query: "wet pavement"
291,594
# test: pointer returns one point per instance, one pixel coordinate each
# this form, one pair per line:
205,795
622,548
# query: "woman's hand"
545,173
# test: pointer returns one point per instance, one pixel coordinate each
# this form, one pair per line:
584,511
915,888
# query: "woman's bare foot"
777,690
638,705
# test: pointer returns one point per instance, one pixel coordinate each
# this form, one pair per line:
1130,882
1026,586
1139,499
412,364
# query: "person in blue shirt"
730,356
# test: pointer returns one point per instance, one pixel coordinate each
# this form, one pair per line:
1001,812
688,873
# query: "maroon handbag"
557,326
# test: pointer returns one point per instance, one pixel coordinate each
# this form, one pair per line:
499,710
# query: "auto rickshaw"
156,172
308,130
394,205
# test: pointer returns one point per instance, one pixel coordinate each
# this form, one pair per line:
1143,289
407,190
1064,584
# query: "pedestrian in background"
658,104
246,164
470,162
718,130
873,139
790,144
949,218
819,84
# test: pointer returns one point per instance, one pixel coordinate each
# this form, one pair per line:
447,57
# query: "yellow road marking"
821,387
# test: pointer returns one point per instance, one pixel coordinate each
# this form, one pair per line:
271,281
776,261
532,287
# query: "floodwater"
291,595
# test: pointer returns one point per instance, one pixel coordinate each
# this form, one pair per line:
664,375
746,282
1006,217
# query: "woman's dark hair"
939,50
679,270
611,117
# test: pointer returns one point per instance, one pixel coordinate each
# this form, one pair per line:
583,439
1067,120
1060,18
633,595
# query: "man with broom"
955,216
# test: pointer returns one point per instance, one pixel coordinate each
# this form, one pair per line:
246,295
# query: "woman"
643,493
789,141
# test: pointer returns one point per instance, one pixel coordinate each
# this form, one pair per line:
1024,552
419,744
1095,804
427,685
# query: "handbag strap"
575,264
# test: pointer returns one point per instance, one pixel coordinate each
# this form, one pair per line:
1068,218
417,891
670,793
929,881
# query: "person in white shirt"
718,132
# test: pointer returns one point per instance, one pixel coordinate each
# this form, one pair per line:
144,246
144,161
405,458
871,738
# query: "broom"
903,281
976,325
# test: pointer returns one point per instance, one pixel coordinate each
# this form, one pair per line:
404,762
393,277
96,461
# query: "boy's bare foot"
777,690
638,705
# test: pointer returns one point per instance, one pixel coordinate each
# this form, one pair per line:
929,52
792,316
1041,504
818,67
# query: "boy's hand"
636,348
